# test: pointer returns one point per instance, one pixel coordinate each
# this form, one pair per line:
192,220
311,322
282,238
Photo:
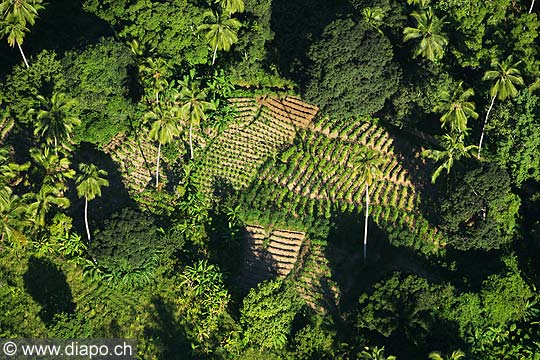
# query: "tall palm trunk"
190,141
214,57
24,57
366,220
157,164
157,97
484,127
86,218
531,8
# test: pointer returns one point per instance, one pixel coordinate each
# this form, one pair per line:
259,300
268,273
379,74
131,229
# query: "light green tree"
15,16
12,214
89,184
430,32
231,6
193,108
456,355
47,197
457,109
368,166
53,169
220,31
374,353
56,121
154,73
504,76
165,127
454,150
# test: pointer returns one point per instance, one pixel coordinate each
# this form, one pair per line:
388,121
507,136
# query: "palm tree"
55,120
505,76
231,6
193,108
9,171
454,150
421,3
220,31
12,214
89,184
429,29
14,17
47,196
154,73
456,355
165,128
53,169
458,109
368,165
375,353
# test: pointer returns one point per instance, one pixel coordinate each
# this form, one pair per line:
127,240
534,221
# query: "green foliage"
352,71
430,32
21,88
166,27
516,139
99,76
127,248
267,314
479,210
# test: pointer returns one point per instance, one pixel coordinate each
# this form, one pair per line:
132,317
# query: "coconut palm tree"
454,150
456,355
154,73
15,15
458,109
221,31
9,171
368,166
504,77
89,184
193,108
165,128
12,214
53,169
56,121
429,30
47,197
231,6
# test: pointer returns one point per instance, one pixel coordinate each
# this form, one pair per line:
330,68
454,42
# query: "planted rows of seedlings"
269,254
318,175
260,131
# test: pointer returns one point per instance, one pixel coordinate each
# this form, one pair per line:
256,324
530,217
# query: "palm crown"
220,31
458,109
505,76
429,29
90,181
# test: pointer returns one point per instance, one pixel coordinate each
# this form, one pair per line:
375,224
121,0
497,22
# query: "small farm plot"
268,253
263,127
319,172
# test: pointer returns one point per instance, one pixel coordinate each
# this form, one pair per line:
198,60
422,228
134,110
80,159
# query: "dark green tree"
352,71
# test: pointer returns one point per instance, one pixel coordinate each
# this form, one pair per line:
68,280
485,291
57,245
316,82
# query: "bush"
128,248
352,71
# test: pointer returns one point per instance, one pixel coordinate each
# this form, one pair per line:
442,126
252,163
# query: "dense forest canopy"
272,179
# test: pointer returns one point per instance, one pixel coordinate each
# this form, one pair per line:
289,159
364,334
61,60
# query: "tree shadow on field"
61,25
48,286
297,24
168,336
113,198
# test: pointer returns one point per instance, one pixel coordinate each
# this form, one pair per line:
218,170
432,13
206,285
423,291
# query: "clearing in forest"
263,126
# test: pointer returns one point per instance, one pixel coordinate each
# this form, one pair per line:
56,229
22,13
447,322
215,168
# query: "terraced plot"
319,172
268,254
264,126
136,160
